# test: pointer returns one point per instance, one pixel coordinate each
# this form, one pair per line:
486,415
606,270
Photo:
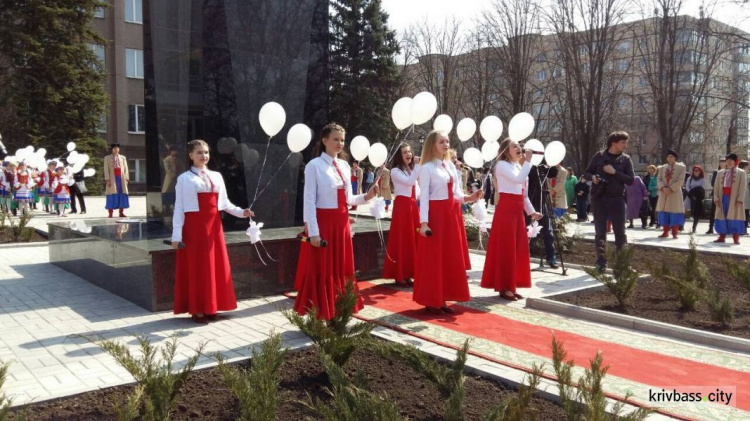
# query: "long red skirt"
508,265
322,272
440,273
462,232
402,239
203,279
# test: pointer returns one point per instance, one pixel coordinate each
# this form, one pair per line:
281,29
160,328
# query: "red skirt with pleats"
203,279
402,239
440,273
322,272
508,265
462,232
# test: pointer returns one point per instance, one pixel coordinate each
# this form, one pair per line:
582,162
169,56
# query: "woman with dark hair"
322,272
203,279
729,198
508,265
696,192
402,238
440,271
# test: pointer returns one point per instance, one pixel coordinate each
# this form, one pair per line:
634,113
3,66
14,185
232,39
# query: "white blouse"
514,179
403,181
189,184
433,181
321,184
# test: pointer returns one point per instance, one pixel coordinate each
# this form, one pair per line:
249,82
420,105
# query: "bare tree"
512,27
588,86
437,50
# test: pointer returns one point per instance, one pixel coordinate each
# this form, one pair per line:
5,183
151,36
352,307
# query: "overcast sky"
406,12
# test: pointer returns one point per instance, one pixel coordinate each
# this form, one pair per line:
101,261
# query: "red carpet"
640,366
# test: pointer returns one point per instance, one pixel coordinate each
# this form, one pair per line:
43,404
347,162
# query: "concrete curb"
636,323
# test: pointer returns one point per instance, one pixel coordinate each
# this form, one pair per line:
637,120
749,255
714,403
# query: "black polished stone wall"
210,65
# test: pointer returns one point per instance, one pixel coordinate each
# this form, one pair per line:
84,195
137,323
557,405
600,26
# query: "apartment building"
121,24
472,85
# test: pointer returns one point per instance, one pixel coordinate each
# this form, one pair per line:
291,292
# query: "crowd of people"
427,247
23,188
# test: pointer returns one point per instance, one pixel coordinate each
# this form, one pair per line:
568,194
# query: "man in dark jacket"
581,190
610,171
76,193
539,198
722,166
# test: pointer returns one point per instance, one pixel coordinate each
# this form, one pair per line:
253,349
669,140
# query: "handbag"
645,209
82,187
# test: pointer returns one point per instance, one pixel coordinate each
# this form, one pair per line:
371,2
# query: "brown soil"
6,236
205,396
653,300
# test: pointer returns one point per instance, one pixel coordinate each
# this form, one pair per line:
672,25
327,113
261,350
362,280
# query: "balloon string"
257,195
266,251
262,167
382,241
259,256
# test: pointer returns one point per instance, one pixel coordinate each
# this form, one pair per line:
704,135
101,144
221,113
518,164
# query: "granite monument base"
130,259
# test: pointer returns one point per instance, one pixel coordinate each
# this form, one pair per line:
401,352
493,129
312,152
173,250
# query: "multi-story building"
718,101
121,24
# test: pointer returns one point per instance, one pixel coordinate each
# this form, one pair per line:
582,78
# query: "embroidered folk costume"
322,272
558,192
670,207
729,194
116,176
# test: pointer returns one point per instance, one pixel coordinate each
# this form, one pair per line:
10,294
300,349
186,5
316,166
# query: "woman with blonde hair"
440,274
508,265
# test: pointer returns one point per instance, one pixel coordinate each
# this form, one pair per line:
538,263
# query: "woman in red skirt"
203,280
440,273
402,237
322,272
457,211
507,265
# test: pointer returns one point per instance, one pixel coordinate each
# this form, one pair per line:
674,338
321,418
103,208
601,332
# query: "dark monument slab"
131,261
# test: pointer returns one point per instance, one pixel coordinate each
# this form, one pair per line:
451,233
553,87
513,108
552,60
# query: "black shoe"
631,226
552,264
73,211
710,232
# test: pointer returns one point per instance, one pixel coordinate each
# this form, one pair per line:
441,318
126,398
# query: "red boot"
736,238
122,213
109,211
675,228
722,239
664,233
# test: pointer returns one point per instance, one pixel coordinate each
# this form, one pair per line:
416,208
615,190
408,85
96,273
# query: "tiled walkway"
43,308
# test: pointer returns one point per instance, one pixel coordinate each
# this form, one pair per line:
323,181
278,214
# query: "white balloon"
78,166
89,172
29,150
83,158
491,128
473,158
359,148
21,154
72,158
521,126
226,145
466,129
378,154
298,137
71,146
423,107
401,113
536,146
555,153
443,123
272,118
41,152
490,150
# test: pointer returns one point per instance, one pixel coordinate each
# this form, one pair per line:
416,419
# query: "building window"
623,65
643,82
134,63
134,11
623,47
696,138
136,119
642,159
541,75
99,12
137,169
541,58
557,71
102,126
99,52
